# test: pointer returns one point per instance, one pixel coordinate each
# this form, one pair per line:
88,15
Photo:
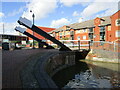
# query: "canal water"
87,74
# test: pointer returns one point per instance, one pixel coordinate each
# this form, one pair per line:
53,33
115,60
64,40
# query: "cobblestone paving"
13,62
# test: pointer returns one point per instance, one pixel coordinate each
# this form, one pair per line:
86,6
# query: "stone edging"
36,75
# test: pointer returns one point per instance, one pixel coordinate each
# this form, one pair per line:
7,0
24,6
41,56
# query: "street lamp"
33,24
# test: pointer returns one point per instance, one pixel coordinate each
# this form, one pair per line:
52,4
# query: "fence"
73,44
109,46
87,44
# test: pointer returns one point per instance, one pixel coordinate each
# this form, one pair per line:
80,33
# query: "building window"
71,32
102,29
84,37
60,33
90,35
67,32
117,22
102,36
77,31
109,28
84,30
64,33
102,33
117,34
78,37
90,30
53,34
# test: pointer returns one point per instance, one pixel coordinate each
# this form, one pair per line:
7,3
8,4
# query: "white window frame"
78,37
117,33
116,22
84,37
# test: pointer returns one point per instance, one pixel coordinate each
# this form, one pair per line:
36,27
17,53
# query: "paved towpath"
13,62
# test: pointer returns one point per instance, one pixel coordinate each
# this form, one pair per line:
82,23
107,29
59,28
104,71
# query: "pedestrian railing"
73,44
87,44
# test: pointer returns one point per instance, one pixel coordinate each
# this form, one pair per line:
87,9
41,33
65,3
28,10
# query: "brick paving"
13,62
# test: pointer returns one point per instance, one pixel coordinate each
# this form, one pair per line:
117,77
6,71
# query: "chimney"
80,20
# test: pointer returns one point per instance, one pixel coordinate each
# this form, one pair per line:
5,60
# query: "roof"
58,29
85,24
46,29
106,21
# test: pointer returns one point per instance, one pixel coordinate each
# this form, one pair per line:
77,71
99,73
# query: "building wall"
114,26
110,30
97,29
108,33
81,34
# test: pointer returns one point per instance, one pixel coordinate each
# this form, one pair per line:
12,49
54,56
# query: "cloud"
69,3
9,28
41,8
80,20
59,22
75,13
1,14
101,8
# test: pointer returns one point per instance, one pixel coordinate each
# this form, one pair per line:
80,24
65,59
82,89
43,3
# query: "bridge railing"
87,44
73,44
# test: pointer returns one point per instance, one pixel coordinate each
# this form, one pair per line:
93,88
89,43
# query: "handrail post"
73,43
79,44
89,45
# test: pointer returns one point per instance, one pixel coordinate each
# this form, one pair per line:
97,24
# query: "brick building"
99,29
46,29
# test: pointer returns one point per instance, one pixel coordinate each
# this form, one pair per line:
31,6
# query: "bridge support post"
79,44
89,45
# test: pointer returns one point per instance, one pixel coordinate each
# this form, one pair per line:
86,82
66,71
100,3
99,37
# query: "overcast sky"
53,13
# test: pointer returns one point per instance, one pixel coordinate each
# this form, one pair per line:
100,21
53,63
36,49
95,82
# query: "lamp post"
33,24
3,33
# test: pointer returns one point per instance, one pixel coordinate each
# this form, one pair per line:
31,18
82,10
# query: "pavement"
13,62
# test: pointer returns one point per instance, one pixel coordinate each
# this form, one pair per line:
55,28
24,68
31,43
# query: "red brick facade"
104,29
99,29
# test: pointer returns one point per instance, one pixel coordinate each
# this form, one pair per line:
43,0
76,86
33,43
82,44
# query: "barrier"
73,44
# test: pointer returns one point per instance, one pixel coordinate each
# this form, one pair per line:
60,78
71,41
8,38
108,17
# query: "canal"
88,74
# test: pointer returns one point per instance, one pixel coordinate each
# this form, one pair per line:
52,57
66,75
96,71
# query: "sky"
53,13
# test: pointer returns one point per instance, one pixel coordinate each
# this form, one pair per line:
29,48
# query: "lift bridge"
27,23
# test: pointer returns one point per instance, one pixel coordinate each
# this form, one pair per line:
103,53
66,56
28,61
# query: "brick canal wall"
38,72
104,56
59,61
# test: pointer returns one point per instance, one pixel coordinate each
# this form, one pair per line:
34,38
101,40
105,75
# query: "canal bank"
87,74
38,71
103,56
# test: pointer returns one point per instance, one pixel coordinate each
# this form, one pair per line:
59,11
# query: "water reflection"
88,75
87,80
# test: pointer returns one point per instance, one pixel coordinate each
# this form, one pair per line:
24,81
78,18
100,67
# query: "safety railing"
87,44
73,44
